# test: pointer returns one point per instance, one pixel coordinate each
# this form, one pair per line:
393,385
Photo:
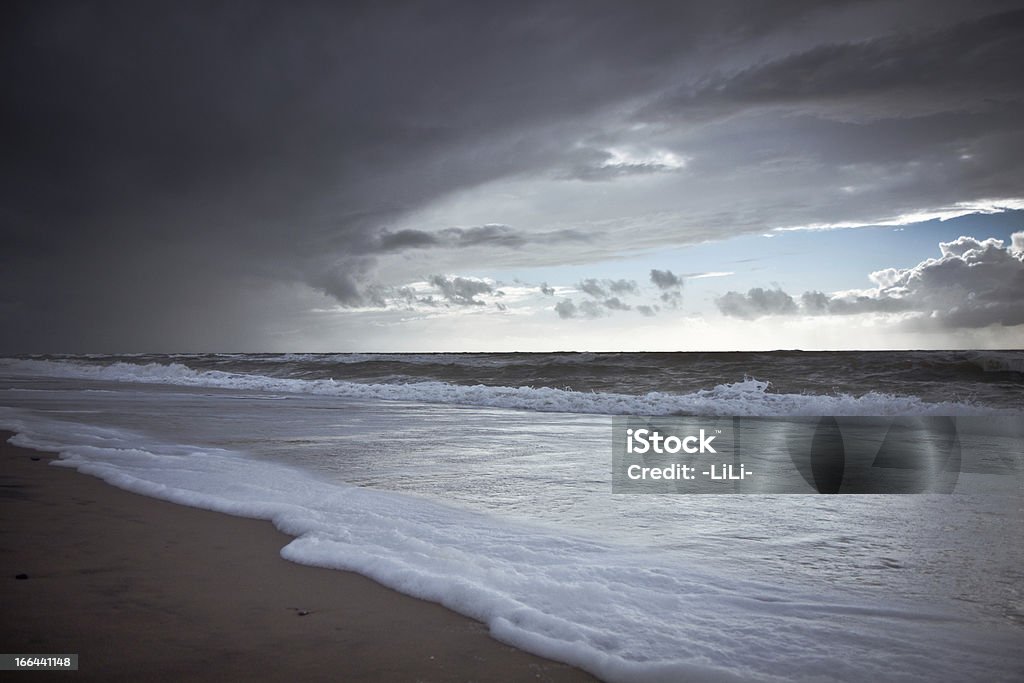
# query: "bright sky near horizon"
517,177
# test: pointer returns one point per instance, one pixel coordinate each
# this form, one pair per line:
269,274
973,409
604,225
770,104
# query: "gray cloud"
461,291
461,238
340,284
405,239
623,286
665,279
588,308
602,302
545,290
606,296
616,304
592,288
490,235
600,289
672,299
671,286
349,279
566,309
756,303
592,309
814,302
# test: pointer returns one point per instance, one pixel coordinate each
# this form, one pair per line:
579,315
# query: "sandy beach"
144,589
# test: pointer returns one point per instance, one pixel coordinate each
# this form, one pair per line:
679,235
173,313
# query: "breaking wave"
747,397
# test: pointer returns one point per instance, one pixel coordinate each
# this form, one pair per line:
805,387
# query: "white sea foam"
748,397
623,615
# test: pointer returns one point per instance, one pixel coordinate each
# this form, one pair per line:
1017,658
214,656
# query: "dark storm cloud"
189,175
348,278
976,58
406,239
237,148
343,282
868,127
974,283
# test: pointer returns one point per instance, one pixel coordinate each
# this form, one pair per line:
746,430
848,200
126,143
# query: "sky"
529,176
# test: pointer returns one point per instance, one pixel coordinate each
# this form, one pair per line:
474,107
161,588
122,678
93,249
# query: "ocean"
484,482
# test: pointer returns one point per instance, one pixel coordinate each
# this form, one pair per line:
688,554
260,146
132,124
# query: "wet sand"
144,589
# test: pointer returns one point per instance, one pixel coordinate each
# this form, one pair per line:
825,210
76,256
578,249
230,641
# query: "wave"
748,397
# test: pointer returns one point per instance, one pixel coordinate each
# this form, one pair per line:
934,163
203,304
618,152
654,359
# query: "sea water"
483,482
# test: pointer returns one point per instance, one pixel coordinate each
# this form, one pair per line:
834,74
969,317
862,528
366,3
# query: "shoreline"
143,588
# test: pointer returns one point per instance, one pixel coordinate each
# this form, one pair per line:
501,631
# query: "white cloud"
714,273
943,213
973,284
658,159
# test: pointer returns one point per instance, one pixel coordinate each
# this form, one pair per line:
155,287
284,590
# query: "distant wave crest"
747,397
